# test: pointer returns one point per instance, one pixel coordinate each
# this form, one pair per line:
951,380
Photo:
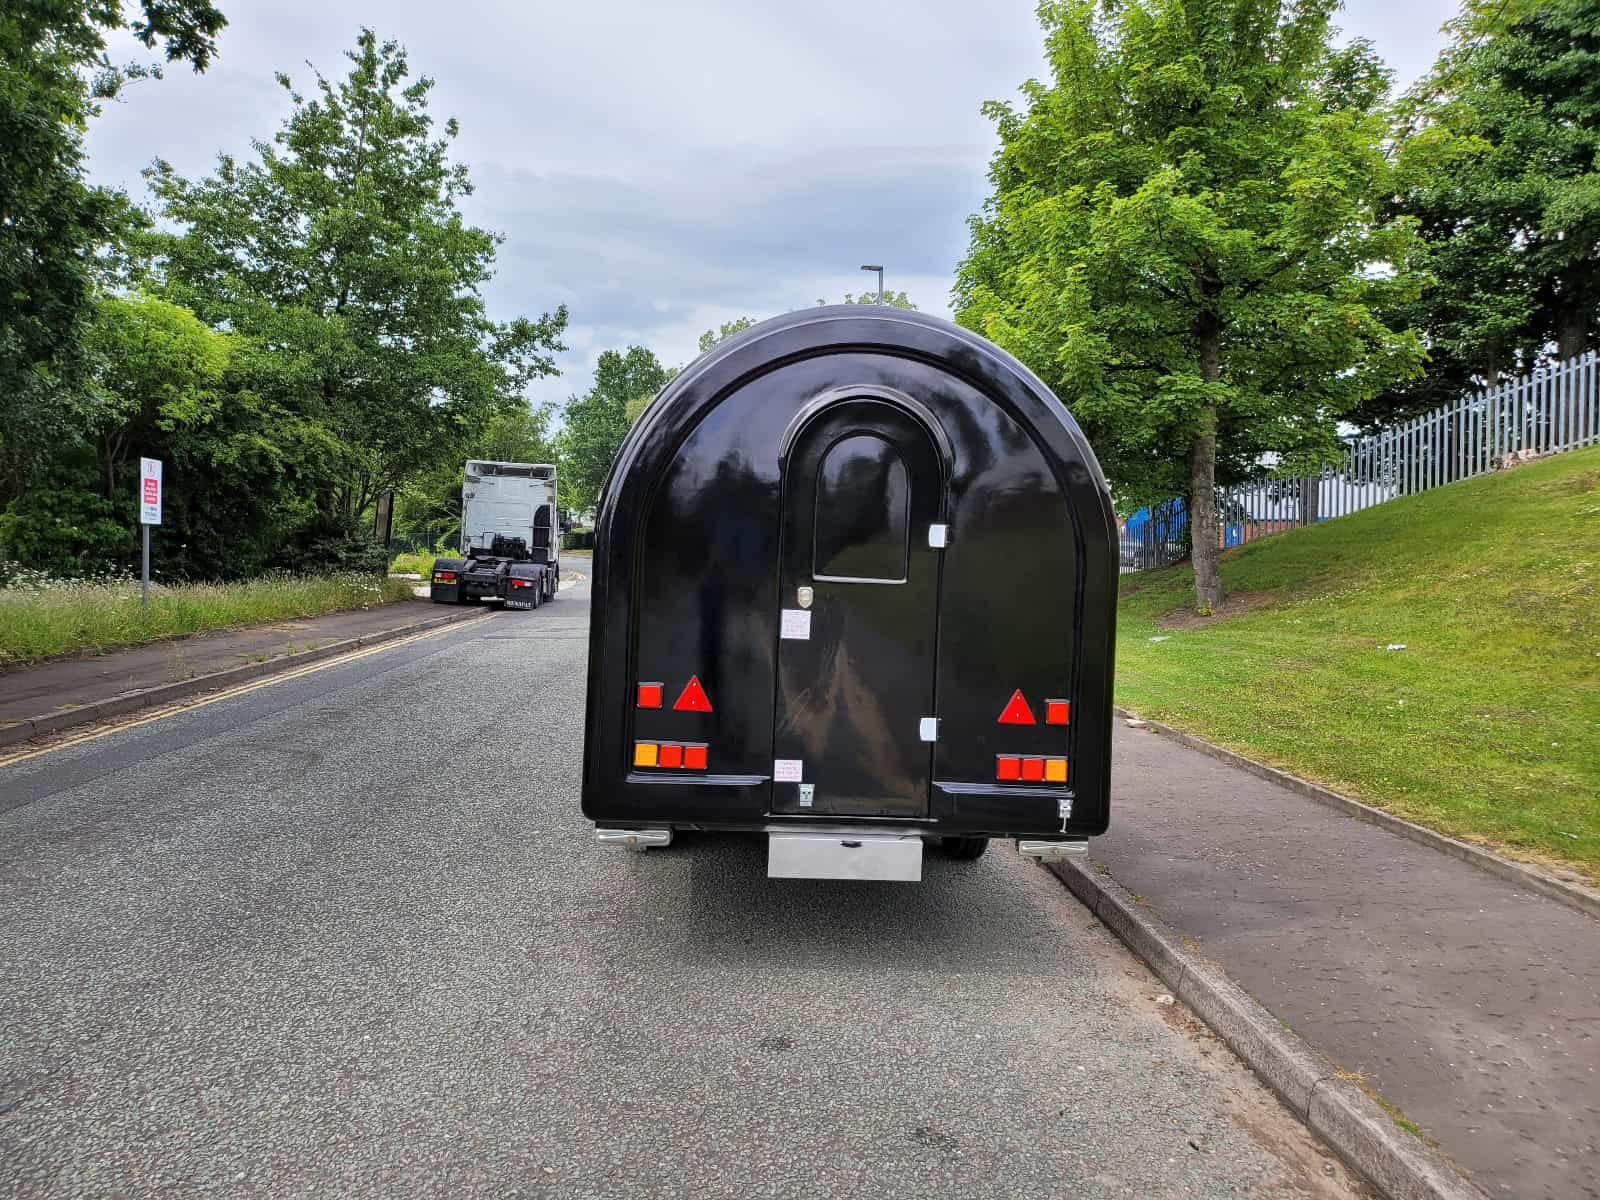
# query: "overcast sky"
661,168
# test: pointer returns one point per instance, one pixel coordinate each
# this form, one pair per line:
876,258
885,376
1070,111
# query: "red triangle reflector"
1016,711
693,698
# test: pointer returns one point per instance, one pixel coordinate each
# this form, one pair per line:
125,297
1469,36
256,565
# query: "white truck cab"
509,537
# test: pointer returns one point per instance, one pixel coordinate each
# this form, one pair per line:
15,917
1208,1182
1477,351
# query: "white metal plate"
928,729
887,857
796,624
938,536
787,770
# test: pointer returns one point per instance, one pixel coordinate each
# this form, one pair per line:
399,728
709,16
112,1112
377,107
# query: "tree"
722,333
157,369
428,507
1183,241
891,299
597,422
341,249
54,75
1498,150
241,471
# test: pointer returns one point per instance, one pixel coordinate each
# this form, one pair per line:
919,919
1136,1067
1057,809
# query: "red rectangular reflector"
694,758
1032,770
1057,712
671,755
1007,766
649,695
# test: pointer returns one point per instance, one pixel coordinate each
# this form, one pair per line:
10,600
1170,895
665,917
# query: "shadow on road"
721,907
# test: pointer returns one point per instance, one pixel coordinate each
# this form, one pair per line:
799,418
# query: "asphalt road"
348,934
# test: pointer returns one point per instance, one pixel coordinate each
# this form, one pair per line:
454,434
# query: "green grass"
1486,726
420,563
61,618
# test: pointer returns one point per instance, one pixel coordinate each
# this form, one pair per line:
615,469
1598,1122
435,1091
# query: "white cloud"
664,168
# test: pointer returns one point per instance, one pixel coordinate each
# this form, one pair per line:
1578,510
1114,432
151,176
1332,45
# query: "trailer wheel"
965,848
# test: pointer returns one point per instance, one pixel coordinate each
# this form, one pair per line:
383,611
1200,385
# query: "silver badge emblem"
805,597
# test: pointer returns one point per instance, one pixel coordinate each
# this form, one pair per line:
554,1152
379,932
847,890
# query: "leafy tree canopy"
1498,152
339,247
54,73
597,422
891,299
428,506
722,333
1184,241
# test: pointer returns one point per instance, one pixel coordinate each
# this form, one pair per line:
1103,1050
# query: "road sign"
149,491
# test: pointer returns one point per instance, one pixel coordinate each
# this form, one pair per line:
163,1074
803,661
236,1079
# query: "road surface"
348,934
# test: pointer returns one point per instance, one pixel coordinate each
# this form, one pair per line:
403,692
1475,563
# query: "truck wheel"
965,848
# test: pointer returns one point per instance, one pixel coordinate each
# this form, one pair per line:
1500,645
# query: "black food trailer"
854,586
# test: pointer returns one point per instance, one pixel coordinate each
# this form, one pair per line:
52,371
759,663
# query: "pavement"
347,933
1470,1004
67,684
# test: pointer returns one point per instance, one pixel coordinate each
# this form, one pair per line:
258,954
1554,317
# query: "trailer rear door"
862,483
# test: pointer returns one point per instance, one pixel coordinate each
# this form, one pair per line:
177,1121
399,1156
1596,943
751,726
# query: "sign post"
149,514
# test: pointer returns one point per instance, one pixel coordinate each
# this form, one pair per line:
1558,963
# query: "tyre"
965,848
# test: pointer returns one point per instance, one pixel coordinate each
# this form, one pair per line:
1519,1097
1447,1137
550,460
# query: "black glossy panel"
862,513
851,694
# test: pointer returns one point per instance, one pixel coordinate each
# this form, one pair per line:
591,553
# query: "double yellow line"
117,725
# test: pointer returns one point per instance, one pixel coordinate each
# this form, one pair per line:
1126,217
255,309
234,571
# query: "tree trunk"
1572,332
1203,475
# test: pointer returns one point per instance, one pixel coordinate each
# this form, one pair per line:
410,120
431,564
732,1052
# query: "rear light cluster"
1017,711
693,698
516,583
671,756
444,576
1012,768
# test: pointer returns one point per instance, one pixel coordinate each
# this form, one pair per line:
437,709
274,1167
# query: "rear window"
862,520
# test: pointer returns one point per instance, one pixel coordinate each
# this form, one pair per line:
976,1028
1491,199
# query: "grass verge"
420,563
1485,726
65,617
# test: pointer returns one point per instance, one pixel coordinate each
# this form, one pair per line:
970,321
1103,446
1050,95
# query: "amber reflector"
644,754
1055,770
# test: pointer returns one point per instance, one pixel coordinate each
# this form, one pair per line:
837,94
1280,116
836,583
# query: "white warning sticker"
796,624
787,770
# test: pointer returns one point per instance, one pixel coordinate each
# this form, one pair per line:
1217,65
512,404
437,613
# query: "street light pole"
878,267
